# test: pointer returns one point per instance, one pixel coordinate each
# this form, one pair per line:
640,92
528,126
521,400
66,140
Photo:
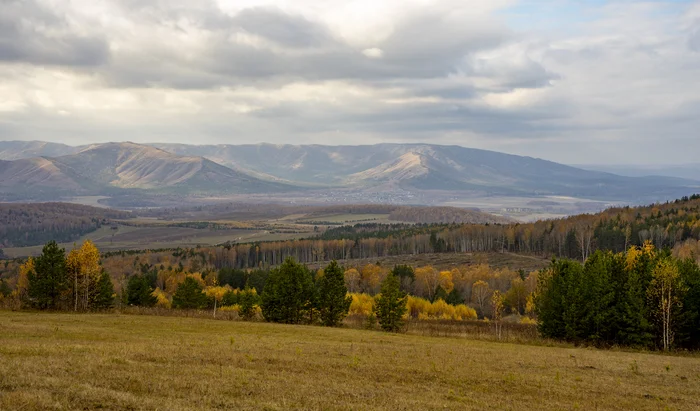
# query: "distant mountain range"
32,170
118,168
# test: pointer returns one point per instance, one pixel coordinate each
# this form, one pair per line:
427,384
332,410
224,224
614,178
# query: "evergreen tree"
689,322
407,276
334,303
636,328
189,295
139,292
48,282
390,305
440,294
5,289
248,299
454,297
104,297
288,293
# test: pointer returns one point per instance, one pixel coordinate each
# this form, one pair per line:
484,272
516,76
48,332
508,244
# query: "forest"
31,224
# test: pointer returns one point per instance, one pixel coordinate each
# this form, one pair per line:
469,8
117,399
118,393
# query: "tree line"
31,224
643,298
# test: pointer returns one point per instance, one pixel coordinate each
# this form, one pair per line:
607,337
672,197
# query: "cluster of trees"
57,281
32,224
641,297
291,294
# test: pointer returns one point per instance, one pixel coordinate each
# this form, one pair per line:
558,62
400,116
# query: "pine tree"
440,294
48,282
390,305
454,297
334,303
104,297
288,294
189,295
139,292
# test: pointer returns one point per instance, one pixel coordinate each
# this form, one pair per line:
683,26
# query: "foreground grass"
64,361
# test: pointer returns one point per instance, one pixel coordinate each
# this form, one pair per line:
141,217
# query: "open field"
64,361
447,261
158,236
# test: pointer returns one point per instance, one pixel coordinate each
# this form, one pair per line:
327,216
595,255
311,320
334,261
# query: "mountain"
16,150
434,167
371,172
688,171
118,168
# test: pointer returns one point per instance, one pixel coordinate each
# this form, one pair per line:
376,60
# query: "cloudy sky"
571,81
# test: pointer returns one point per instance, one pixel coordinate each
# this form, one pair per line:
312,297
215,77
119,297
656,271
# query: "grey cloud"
282,28
425,46
31,33
694,40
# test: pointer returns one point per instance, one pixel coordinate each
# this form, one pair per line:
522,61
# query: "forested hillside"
31,224
616,229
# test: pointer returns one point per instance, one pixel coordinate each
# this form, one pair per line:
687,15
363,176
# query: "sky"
578,82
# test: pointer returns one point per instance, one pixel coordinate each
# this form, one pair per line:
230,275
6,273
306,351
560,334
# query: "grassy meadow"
129,362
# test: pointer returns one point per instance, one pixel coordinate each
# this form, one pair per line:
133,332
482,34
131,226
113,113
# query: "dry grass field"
110,361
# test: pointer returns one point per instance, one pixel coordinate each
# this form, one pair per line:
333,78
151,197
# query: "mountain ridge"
269,168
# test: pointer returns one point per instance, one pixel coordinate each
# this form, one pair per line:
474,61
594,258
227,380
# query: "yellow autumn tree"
427,281
83,266
446,281
665,293
217,293
162,299
20,292
352,280
497,307
480,294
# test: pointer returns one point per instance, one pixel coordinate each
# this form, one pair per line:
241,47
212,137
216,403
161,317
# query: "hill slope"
115,167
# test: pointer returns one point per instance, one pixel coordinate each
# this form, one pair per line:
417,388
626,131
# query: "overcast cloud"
571,81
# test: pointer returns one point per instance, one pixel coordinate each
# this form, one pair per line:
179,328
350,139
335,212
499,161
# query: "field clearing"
447,261
60,361
348,218
154,237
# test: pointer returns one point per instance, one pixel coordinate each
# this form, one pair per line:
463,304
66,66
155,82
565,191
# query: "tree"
216,293
480,294
497,307
407,276
516,296
104,298
334,303
139,292
189,295
390,305
20,292
666,295
427,281
288,294
454,298
248,300
47,284
83,265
